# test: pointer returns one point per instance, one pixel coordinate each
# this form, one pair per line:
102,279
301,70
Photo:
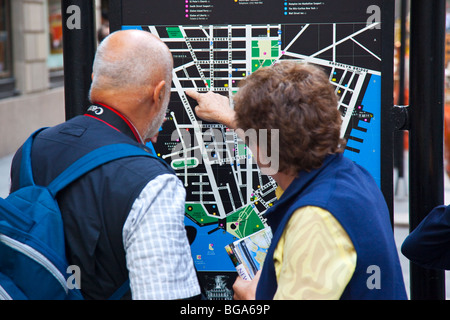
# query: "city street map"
214,50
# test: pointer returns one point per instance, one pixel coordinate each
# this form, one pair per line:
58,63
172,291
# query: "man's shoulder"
141,167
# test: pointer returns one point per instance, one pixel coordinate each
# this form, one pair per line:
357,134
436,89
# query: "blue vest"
95,207
351,195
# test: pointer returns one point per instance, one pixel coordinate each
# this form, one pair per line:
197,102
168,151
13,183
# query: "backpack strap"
121,291
93,160
26,172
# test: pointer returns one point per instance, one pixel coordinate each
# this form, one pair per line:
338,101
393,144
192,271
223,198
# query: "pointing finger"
193,94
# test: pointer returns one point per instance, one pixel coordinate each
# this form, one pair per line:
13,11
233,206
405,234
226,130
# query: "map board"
217,43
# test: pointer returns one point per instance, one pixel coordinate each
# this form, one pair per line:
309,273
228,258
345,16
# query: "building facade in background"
31,68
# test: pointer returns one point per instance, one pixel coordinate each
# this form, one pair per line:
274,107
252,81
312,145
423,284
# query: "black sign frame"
126,12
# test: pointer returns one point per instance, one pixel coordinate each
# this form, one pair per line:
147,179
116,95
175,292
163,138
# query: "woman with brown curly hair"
332,234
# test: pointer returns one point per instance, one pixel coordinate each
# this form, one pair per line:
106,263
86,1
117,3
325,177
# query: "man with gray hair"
124,220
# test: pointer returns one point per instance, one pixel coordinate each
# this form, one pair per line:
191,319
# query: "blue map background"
369,155
207,258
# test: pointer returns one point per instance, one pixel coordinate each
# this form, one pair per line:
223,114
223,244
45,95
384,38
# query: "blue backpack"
33,263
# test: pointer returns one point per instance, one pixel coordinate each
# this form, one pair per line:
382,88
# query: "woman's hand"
244,289
213,107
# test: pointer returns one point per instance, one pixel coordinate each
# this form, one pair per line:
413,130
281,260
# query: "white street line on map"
371,26
373,54
352,103
296,37
198,136
184,147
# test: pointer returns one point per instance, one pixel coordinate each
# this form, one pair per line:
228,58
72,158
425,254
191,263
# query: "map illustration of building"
227,194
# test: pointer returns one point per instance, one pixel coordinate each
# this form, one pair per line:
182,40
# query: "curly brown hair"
298,100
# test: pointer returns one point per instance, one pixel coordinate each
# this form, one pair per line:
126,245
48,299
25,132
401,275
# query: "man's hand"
244,289
213,107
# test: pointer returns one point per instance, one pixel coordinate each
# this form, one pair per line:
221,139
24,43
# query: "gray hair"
132,66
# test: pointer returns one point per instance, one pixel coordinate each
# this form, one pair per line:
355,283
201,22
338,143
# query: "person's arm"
428,244
157,250
213,107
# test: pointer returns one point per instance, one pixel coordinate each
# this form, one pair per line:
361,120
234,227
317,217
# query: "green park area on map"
243,222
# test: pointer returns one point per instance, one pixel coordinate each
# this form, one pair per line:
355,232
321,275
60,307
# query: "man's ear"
158,93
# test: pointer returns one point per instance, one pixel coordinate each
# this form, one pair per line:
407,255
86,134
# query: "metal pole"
426,173
403,16
399,145
79,36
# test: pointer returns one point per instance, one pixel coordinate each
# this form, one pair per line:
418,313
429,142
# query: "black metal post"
79,36
426,173
402,64
399,145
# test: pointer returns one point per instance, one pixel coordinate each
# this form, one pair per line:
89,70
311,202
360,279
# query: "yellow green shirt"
315,258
